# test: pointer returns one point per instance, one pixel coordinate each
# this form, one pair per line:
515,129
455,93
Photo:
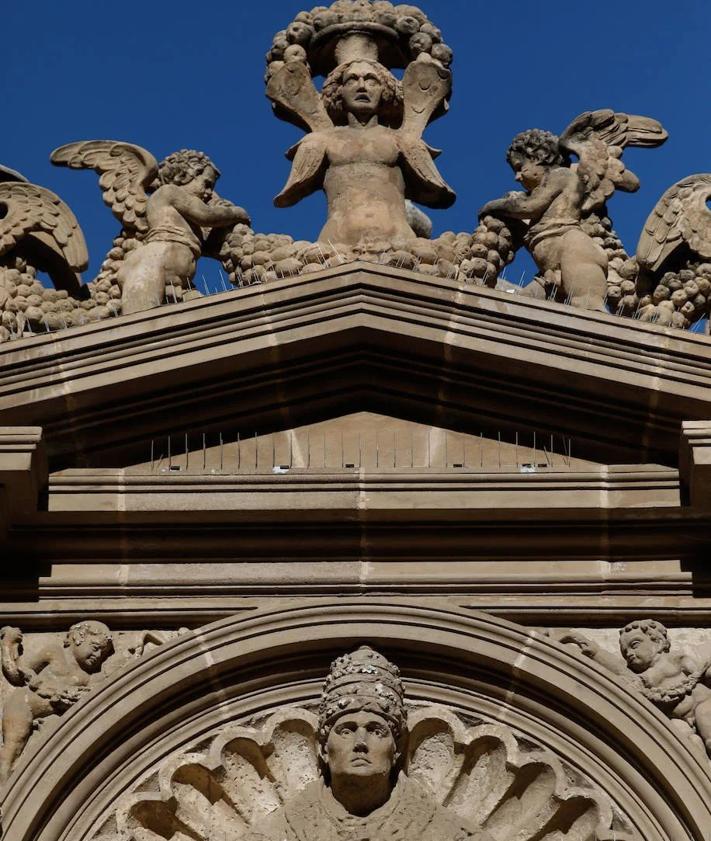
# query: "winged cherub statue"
38,226
560,196
38,232
674,254
365,149
170,208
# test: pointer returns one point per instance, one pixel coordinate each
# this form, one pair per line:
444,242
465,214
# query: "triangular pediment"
359,440
359,338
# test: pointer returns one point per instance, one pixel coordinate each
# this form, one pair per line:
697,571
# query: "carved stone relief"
364,149
563,204
367,765
676,679
167,212
49,673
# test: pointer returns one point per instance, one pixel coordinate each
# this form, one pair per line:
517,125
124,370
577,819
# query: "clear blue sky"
172,74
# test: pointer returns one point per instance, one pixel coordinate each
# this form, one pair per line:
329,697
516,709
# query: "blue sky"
173,74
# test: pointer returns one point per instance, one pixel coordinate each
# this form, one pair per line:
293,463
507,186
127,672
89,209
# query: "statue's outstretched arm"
209,216
522,205
592,650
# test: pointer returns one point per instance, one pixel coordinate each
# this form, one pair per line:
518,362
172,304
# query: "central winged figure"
365,149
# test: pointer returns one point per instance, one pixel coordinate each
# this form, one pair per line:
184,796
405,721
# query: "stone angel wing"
307,171
681,217
38,223
237,784
295,99
598,138
423,181
127,173
426,87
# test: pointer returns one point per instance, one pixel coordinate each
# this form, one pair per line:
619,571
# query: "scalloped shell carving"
481,773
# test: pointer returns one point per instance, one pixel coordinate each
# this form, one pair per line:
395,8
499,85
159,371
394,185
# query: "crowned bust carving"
362,795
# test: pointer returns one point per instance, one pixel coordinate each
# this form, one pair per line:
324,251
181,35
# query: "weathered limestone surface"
367,448
246,752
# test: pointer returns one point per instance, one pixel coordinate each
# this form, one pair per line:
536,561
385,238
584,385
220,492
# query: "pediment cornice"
354,337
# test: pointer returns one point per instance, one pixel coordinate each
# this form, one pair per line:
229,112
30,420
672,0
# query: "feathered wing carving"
40,223
426,86
480,773
425,185
127,172
681,216
598,138
307,171
295,98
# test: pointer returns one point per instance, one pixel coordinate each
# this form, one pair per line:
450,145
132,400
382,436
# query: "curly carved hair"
654,630
390,104
183,166
79,632
537,145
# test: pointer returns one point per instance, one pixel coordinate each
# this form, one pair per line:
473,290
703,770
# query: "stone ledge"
402,491
695,464
23,468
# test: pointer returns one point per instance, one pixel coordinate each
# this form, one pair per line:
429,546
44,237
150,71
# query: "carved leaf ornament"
480,773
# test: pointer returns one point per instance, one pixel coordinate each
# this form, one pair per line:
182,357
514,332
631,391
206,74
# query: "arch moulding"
243,668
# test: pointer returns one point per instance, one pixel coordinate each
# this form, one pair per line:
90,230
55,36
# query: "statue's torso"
364,186
411,813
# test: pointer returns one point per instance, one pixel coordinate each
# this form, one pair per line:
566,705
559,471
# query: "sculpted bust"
363,793
365,766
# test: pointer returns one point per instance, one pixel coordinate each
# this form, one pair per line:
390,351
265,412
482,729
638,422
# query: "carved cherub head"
642,643
192,170
532,153
90,643
363,88
361,721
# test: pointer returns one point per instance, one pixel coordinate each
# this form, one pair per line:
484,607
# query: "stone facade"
365,547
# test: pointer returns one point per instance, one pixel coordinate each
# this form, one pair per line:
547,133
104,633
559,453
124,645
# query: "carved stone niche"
502,735
483,774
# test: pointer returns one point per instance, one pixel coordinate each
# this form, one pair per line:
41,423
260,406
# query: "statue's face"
528,172
360,744
93,647
639,650
362,90
203,185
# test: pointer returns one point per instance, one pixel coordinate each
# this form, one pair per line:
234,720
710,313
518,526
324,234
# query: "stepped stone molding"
23,473
238,669
379,336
